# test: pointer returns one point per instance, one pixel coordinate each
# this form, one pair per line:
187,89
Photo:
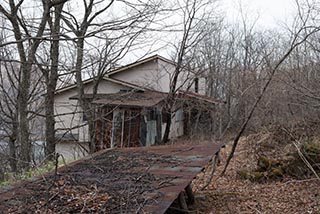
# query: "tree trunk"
83,103
23,99
168,125
12,150
27,59
52,77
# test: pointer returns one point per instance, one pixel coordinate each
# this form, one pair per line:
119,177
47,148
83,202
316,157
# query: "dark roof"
133,180
147,98
131,99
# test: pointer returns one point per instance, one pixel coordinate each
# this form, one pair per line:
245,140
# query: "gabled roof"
139,62
118,70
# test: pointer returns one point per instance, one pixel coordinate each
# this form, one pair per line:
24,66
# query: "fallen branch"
215,162
303,158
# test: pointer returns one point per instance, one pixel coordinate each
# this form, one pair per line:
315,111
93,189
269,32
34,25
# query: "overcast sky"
270,13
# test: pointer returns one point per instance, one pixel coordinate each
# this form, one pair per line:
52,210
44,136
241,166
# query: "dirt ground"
231,194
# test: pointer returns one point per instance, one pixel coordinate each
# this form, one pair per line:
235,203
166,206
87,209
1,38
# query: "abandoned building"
129,107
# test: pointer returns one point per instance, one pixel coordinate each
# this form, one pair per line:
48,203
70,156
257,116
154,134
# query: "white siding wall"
72,116
158,75
67,112
166,70
72,151
176,129
150,74
185,79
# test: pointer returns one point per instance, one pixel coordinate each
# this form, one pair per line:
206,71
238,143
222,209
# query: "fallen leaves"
230,194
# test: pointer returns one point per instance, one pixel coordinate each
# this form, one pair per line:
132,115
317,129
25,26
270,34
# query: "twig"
168,181
255,209
63,159
183,150
56,164
300,181
214,166
303,158
52,197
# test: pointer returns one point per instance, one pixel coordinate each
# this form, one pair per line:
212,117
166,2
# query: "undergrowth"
36,171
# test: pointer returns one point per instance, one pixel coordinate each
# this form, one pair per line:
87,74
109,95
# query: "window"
84,117
196,85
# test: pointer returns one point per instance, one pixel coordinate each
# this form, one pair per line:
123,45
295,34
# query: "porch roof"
147,98
131,99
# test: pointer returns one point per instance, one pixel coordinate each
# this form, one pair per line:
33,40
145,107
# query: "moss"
312,152
312,148
244,174
290,164
251,175
257,176
276,173
5,183
263,163
297,168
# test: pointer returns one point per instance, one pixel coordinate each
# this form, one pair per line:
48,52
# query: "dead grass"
230,194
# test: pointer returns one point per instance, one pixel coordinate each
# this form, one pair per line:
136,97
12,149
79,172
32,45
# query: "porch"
131,119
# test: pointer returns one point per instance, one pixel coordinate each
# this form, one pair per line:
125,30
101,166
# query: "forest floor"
231,194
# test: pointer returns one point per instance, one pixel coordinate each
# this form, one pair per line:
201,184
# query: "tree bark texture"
51,82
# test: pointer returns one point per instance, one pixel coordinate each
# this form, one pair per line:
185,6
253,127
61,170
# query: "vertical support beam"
102,130
112,132
115,127
129,127
143,128
190,194
158,126
122,126
182,201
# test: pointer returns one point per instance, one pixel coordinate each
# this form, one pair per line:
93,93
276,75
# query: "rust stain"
130,180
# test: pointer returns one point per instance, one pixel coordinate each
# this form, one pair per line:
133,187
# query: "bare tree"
125,28
12,10
299,37
194,16
50,72
8,107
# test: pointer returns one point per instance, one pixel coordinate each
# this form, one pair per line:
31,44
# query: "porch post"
115,127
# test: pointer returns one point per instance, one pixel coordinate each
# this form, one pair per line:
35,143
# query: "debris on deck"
130,180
